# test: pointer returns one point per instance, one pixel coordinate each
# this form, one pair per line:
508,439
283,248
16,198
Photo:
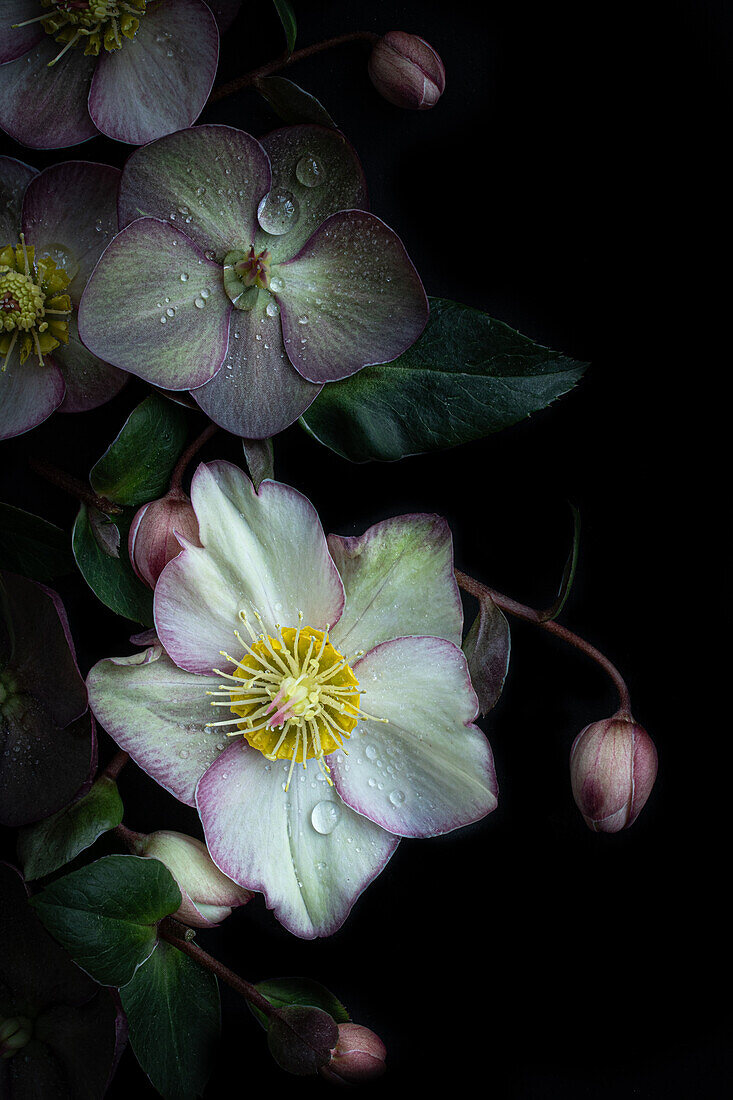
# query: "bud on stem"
613,765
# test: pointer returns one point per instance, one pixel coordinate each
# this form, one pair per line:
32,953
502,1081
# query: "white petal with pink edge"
158,713
263,552
427,770
308,853
399,580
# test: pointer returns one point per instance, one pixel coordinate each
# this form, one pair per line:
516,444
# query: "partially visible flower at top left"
132,69
53,227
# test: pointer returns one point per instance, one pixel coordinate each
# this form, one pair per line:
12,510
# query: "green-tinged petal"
158,713
29,393
258,392
45,106
307,852
426,770
89,381
398,578
350,298
206,180
14,179
321,171
263,551
155,306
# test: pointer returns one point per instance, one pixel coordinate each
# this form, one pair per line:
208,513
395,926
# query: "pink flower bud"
152,542
407,71
208,896
613,765
358,1056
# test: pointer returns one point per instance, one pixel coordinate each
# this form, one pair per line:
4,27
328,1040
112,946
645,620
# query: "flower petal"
351,297
158,713
214,176
138,312
434,768
398,578
70,212
14,178
89,381
28,394
264,838
263,551
335,181
160,81
46,107
258,392
15,42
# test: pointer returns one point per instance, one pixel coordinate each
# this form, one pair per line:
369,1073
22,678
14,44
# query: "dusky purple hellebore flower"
250,273
54,225
312,699
132,69
47,739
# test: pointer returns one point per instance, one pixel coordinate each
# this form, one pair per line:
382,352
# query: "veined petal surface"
308,853
89,381
14,178
350,298
258,392
158,82
158,713
15,40
263,551
207,180
29,393
70,213
46,107
398,578
140,313
435,768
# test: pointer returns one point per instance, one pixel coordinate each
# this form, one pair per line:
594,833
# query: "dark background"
573,182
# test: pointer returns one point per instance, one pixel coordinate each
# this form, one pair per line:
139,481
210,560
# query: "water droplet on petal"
199,303
272,309
309,171
325,817
278,212
397,798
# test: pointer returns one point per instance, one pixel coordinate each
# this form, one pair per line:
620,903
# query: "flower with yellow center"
345,700
95,24
34,314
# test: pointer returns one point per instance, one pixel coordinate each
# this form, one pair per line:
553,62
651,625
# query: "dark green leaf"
105,914
287,18
138,465
467,376
300,991
111,579
292,103
49,844
172,1009
32,547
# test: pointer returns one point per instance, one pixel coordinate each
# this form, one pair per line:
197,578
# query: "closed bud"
358,1056
407,71
613,765
153,541
208,896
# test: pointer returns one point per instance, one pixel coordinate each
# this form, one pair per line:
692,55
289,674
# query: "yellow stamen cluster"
34,314
95,23
294,696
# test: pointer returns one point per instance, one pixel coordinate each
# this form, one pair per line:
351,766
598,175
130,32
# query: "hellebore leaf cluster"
133,71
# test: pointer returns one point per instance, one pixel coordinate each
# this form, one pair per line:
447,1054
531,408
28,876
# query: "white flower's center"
295,696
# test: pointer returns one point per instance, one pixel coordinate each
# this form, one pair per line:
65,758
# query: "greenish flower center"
34,314
95,23
245,274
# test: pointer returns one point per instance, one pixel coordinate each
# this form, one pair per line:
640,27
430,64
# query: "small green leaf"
49,844
173,1012
111,579
105,914
299,991
32,547
467,376
259,455
292,103
287,18
138,465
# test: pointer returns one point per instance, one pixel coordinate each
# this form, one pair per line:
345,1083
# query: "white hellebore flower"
312,700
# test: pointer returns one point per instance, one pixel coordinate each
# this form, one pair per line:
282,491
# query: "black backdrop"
572,182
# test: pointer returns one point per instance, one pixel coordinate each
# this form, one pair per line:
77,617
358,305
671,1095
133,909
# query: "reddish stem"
288,59
521,611
188,454
116,764
74,487
128,836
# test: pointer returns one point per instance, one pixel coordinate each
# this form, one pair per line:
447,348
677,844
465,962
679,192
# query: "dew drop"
371,752
171,311
184,276
199,303
325,817
278,212
276,284
303,320
397,797
272,309
309,171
